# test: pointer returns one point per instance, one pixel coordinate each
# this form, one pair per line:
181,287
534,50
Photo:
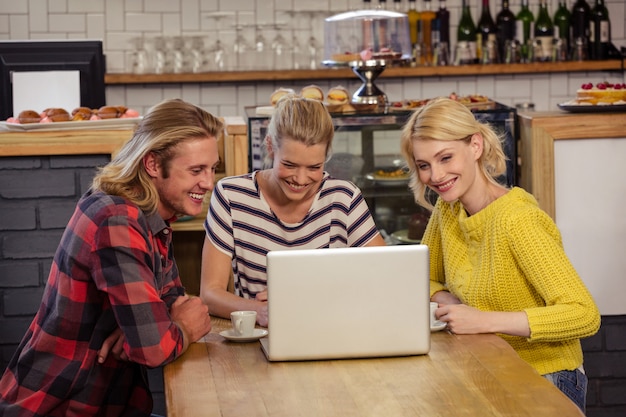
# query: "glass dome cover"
365,35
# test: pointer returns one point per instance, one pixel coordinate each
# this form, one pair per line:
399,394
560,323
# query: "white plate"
402,236
77,125
438,325
230,335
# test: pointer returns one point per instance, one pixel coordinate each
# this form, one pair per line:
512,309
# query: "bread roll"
313,92
81,113
29,116
280,93
337,96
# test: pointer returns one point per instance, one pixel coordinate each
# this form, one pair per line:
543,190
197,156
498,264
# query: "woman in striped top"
293,205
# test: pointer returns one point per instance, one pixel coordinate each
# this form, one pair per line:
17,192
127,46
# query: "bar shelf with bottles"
487,40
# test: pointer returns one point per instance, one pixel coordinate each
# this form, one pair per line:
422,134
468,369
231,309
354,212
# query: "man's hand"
192,316
114,344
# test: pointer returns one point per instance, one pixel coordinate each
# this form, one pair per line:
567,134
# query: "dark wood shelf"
343,73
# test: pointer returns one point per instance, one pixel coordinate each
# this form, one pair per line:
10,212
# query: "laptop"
354,302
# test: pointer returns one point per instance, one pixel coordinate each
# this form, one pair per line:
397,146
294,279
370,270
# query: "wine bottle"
466,37
382,5
367,4
397,6
485,32
599,31
505,27
579,23
414,18
562,18
544,31
425,33
443,22
524,29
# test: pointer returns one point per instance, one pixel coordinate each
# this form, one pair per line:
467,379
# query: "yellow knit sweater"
510,257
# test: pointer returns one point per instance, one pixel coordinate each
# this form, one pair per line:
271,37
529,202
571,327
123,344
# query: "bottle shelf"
343,73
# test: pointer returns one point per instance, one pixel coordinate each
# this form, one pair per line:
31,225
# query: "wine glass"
262,61
243,52
282,51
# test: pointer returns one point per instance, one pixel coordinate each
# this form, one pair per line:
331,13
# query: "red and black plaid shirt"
113,268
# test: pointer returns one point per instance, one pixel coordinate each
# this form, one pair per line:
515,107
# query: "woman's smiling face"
447,167
298,169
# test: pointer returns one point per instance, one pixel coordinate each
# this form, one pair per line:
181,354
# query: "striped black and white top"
241,224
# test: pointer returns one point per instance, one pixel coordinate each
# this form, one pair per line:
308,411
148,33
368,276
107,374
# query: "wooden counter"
474,375
574,166
538,133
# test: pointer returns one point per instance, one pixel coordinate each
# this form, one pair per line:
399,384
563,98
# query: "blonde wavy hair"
449,120
165,126
302,119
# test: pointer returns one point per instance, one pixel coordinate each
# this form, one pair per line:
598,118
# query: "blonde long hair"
166,125
448,120
302,119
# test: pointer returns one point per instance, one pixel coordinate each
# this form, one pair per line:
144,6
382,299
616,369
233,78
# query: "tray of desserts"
389,176
472,101
81,118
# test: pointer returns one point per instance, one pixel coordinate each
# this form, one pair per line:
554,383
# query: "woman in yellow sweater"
497,260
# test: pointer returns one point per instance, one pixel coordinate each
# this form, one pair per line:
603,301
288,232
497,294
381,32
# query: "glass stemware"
282,51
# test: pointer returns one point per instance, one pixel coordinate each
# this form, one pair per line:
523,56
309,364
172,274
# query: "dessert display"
603,93
57,114
473,101
365,35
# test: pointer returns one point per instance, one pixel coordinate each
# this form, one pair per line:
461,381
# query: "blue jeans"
571,383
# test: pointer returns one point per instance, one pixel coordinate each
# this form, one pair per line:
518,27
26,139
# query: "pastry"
280,93
312,91
56,114
29,116
108,112
337,96
81,113
417,226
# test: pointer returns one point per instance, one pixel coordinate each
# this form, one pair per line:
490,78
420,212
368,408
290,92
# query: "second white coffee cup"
433,308
243,322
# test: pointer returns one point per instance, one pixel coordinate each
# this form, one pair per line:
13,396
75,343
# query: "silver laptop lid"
348,302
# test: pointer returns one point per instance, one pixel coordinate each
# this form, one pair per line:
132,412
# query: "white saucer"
438,325
230,335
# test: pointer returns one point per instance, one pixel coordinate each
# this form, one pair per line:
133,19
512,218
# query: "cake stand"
369,94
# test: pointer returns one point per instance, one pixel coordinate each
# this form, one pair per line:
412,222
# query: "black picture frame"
85,56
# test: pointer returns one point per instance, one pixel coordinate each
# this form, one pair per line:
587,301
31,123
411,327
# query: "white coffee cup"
433,307
243,322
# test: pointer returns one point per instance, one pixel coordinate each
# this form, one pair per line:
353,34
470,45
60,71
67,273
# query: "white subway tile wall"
122,24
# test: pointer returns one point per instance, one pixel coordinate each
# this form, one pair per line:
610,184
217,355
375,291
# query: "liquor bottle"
425,33
524,29
562,18
579,23
505,27
485,31
397,6
466,37
382,5
544,31
367,5
443,22
599,31
414,18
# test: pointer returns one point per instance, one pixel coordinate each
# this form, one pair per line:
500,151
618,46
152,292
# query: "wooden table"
477,375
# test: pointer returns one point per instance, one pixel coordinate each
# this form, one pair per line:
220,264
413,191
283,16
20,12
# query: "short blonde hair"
448,120
302,119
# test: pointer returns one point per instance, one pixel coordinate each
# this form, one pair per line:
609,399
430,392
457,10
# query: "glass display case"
366,151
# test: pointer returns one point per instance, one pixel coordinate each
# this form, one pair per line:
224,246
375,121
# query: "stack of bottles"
578,33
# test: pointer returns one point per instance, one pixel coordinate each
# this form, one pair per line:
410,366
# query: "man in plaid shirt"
114,304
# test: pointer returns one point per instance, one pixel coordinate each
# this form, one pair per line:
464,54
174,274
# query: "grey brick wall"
37,198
